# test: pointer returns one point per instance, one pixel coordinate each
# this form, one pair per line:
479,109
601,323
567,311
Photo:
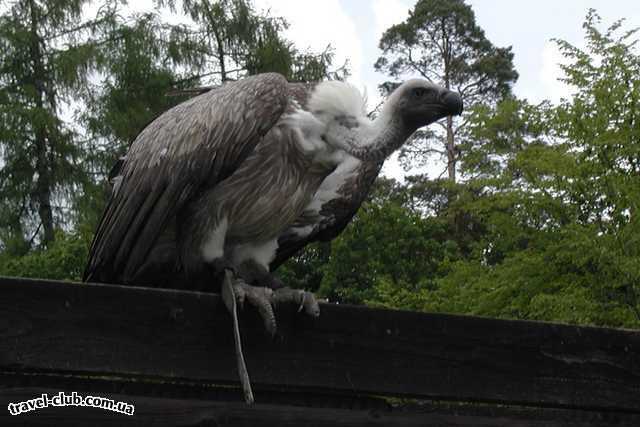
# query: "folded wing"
185,151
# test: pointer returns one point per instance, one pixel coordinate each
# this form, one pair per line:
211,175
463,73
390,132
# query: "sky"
354,27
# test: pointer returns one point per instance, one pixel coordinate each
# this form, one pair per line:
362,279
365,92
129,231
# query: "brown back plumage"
334,215
189,148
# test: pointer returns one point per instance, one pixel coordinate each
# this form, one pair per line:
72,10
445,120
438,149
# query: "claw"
236,291
240,295
310,303
306,300
261,299
265,299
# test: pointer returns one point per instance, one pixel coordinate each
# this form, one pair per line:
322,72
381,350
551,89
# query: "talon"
239,293
306,300
265,300
261,299
311,304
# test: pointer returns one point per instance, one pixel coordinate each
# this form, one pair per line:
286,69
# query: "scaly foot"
235,291
265,299
305,300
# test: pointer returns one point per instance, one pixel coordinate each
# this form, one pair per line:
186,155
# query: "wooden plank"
161,412
111,330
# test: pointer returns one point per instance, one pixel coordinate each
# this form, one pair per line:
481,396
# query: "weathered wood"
168,412
145,333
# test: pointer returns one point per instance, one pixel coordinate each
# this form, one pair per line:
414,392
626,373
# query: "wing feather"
186,150
334,215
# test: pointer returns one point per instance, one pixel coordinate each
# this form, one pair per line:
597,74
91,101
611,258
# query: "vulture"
219,190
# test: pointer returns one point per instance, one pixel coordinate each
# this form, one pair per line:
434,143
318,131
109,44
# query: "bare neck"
389,133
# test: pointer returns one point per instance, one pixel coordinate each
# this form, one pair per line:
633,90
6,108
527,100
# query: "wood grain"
166,412
150,334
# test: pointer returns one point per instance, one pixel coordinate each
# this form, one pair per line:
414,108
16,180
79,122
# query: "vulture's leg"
232,295
265,300
259,297
235,291
254,273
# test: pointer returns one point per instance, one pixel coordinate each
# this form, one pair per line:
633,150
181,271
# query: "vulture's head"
418,103
413,104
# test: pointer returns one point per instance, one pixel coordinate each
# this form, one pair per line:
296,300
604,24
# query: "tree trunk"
220,47
451,150
219,44
42,194
450,142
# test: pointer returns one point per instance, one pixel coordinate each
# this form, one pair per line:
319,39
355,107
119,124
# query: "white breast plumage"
329,101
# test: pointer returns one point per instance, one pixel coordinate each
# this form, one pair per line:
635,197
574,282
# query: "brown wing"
189,148
333,216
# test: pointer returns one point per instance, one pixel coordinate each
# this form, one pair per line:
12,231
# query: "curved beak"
452,102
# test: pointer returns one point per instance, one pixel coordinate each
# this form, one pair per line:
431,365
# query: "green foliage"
385,241
140,63
48,55
234,41
63,260
441,41
572,277
447,46
306,269
138,70
116,74
544,226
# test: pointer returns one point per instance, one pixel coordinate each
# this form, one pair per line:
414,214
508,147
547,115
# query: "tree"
147,66
388,248
553,190
141,62
440,41
600,124
234,41
225,31
545,224
47,56
113,74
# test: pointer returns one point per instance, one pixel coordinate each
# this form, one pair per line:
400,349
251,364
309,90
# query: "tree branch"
465,122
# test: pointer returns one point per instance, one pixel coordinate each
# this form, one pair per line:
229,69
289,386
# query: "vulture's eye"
419,92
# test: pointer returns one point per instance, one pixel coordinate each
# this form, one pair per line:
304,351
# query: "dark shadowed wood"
146,333
161,412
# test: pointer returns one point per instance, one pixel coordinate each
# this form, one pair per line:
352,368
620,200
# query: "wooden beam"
167,412
79,329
